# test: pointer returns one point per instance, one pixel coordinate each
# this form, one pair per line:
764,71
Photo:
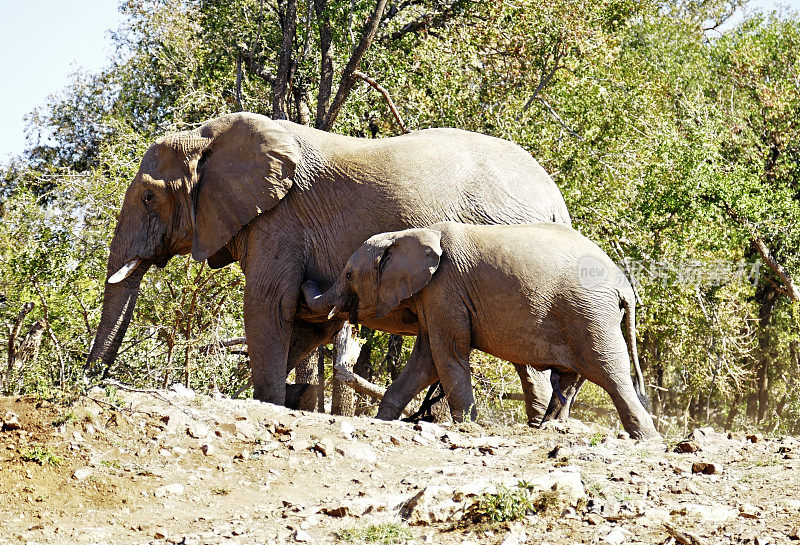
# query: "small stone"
429,428
324,447
755,437
687,446
748,510
794,534
358,451
707,468
182,391
208,449
174,489
420,440
346,429
301,535
82,473
595,519
198,430
300,445
244,454
10,422
160,533
615,537
337,512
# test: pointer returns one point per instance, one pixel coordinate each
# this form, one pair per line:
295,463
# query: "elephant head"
387,269
193,192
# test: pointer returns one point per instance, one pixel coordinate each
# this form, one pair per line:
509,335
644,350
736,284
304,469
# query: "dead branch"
347,350
56,343
790,288
285,61
386,96
425,22
227,343
326,66
348,79
13,332
546,76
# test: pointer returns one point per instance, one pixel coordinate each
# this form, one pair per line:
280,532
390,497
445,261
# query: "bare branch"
425,22
239,82
56,343
386,97
12,339
285,61
790,288
546,76
348,79
326,66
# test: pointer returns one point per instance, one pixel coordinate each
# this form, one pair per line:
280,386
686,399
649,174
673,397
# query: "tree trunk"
343,401
767,296
326,68
394,350
305,372
280,91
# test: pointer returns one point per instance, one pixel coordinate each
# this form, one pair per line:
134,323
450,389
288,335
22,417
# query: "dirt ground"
175,467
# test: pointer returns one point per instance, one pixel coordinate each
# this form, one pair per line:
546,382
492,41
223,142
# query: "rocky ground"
175,467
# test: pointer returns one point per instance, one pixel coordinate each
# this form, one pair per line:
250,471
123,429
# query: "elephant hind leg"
606,363
418,374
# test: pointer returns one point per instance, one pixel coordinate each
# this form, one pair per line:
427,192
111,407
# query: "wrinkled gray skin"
291,202
540,295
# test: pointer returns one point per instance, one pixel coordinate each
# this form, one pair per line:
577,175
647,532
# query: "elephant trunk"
328,303
119,300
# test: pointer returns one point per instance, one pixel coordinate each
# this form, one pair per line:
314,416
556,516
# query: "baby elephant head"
385,270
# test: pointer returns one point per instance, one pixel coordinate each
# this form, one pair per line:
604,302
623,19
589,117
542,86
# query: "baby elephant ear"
406,266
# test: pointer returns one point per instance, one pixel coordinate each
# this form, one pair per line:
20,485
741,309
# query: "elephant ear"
244,168
406,266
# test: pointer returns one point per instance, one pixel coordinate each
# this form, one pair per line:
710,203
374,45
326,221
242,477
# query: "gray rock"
346,429
358,451
174,489
82,473
10,422
615,537
301,535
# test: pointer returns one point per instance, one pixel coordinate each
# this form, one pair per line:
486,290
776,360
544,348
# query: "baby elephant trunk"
328,303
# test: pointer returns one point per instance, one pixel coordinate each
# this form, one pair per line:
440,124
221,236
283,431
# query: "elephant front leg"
418,374
268,339
270,303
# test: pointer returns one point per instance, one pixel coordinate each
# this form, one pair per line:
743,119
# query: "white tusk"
124,271
333,312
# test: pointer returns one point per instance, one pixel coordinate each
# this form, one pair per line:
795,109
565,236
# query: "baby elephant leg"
451,356
565,388
418,374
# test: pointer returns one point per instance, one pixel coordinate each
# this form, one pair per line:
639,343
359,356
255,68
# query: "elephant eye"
348,275
148,196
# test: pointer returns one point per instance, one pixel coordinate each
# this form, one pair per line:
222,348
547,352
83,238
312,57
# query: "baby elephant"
540,295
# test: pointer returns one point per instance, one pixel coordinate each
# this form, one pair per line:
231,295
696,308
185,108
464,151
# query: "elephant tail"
629,304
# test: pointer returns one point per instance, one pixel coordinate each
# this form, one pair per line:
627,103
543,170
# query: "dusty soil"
175,467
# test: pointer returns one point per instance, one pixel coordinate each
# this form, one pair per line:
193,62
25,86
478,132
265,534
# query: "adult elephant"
291,203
